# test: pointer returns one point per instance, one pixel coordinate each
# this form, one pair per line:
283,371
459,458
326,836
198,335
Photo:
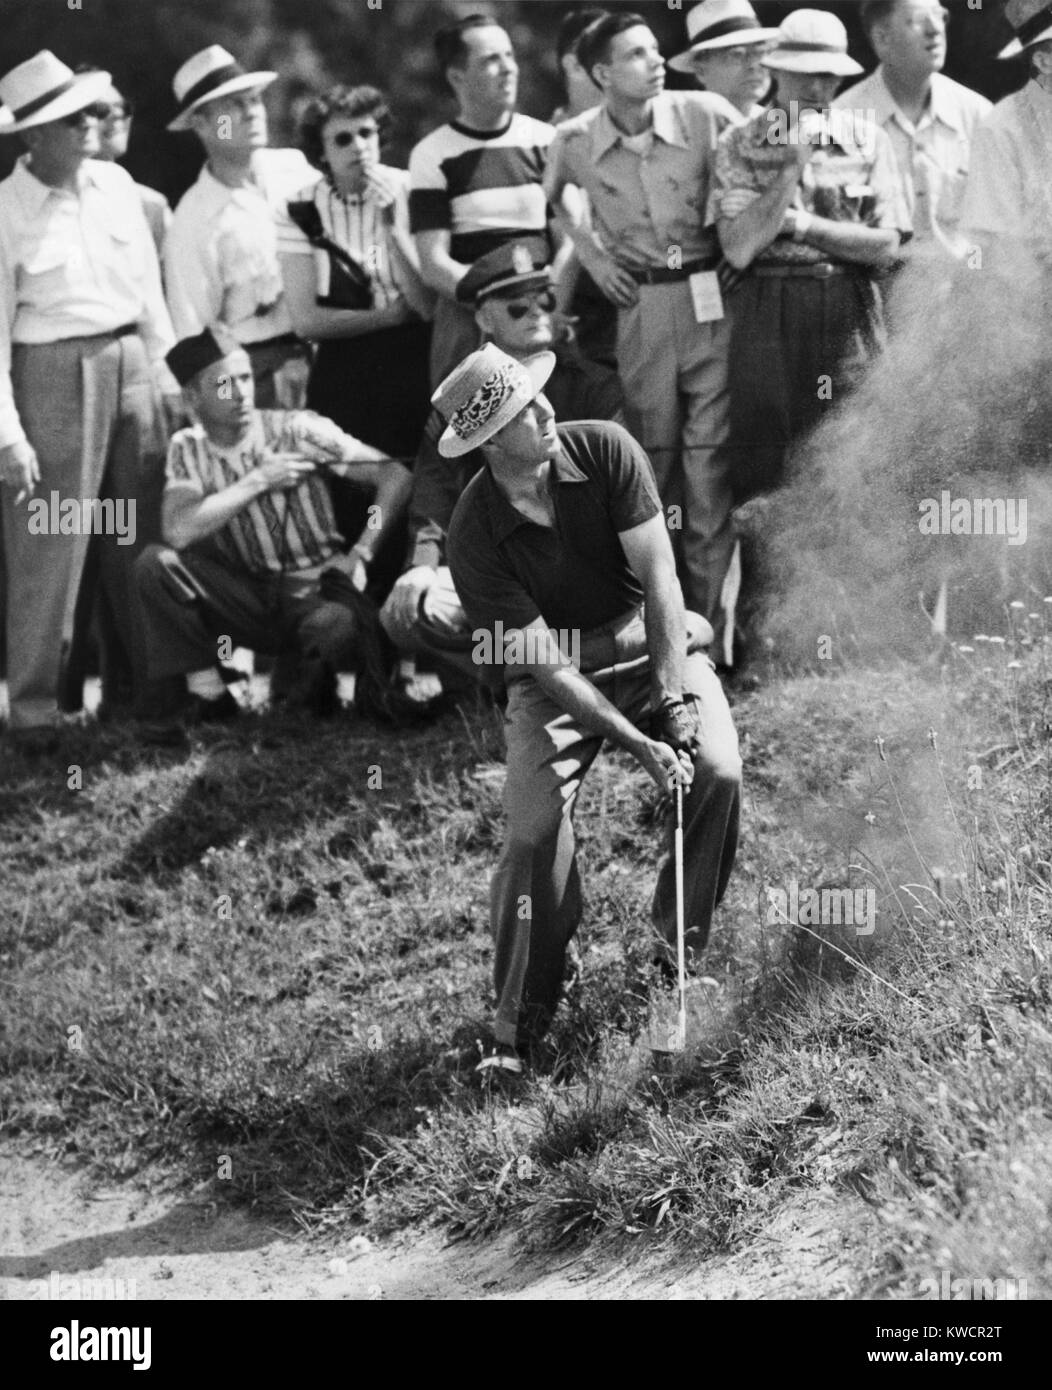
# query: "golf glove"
676,724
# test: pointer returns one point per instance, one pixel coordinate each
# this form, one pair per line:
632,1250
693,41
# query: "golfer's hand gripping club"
676,723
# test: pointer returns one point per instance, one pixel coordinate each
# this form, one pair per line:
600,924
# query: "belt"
660,275
282,340
822,270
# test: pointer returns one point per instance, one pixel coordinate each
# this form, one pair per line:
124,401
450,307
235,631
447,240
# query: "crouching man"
254,549
561,538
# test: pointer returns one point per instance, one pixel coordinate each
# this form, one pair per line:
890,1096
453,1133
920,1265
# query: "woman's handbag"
349,285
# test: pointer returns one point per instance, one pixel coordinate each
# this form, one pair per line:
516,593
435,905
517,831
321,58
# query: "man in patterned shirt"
247,484
809,202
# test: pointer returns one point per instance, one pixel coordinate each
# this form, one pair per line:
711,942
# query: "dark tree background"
313,43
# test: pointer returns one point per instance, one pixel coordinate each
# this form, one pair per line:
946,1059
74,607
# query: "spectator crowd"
265,382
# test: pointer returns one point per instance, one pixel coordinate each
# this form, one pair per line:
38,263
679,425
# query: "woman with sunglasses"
352,278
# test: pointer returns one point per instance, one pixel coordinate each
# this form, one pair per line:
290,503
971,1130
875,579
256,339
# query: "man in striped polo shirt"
476,182
251,532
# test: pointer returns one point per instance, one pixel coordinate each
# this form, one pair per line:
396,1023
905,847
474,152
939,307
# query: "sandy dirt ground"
63,1236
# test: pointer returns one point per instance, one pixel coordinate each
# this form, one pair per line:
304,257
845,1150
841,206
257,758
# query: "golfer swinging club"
563,531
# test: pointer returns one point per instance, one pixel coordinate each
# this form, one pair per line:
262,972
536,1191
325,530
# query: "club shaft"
681,962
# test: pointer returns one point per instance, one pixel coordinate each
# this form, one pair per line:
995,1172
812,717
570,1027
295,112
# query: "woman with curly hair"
352,276
353,284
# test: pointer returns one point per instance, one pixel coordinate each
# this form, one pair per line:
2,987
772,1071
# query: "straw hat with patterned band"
485,393
716,24
1032,22
515,266
210,74
812,41
43,89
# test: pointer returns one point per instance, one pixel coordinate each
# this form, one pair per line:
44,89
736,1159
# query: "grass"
263,960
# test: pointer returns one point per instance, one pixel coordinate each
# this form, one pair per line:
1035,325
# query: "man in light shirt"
1008,201
83,333
929,118
220,257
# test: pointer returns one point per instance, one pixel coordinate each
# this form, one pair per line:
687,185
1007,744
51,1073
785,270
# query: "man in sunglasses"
510,291
83,333
727,44
115,122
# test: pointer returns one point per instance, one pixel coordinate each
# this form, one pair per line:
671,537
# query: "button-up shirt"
931,156
849,179
647,194
1009,191
73,265
221,256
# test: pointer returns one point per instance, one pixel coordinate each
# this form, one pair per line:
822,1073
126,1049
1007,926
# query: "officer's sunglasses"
544,299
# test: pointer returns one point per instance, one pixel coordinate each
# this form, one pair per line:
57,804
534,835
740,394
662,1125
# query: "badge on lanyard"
705,292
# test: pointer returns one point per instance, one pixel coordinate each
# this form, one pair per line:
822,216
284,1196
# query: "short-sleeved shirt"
576,390
484,187
1009,191
931,157
852,178
278,531
651,193
221,254
575,575
354,222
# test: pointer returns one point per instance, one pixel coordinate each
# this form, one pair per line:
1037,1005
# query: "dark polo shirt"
576,390
509,569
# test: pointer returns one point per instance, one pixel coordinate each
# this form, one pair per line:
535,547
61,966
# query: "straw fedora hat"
716,24
210,74
44,89
485,393
1032,22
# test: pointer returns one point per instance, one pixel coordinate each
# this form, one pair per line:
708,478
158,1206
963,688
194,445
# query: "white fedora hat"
812,41
716,24
210,74
1032,22
43,89
485,393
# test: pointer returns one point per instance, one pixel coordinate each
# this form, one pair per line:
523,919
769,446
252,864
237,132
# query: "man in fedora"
511,293
560,553
929,118
1008,201
83,333
646,158
221,257
252,484
810,206
727,44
